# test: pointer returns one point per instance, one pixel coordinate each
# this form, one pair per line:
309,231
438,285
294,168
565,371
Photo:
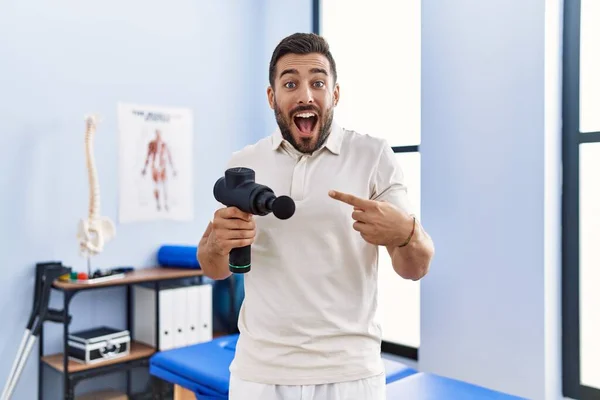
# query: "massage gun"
238,189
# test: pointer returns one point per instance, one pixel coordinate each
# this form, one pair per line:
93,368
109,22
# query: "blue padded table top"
395,370
425,386
199,367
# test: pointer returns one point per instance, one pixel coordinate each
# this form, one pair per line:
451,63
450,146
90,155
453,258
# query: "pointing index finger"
350,199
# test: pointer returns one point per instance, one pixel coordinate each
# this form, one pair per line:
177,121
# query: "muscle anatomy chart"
155,163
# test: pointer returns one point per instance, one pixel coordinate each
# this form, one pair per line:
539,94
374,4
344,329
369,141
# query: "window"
377,48
581,200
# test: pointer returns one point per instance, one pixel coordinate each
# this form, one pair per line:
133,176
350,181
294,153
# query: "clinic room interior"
424,202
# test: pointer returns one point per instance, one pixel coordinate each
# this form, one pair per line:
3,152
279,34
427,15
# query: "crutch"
45,275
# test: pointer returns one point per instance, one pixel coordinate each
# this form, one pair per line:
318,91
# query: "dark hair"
301,43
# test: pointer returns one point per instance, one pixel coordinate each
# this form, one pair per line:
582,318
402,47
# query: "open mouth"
306,122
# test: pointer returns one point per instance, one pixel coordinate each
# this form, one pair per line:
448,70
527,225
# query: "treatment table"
201,371
426,386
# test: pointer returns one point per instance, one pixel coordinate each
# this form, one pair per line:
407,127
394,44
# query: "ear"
271,97
336,94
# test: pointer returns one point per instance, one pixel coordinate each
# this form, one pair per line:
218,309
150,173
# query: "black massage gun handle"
239,260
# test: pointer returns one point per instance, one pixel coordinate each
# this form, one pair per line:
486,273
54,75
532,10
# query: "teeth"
305,115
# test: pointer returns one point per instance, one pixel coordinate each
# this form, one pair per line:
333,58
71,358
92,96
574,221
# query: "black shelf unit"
140,354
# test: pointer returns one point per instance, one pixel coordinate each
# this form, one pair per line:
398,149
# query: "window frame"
393,348
572,139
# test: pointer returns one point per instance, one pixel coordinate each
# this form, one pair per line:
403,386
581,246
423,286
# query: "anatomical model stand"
94,231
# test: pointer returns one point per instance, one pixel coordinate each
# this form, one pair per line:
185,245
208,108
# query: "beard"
304,145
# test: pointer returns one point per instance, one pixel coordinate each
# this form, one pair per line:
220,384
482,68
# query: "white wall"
552,198
62,59
490,193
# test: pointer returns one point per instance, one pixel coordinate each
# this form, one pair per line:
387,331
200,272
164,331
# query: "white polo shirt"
308,316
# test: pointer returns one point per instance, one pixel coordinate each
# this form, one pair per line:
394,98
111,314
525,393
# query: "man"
307,327
158,153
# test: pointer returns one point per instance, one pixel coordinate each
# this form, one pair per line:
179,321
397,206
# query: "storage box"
98,344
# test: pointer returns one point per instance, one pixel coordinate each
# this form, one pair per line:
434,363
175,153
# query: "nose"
305,95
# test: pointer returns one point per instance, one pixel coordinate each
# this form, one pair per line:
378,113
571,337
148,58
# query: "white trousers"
364,389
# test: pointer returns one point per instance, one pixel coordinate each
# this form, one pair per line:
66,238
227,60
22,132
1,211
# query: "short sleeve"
233,161
389,181
236,160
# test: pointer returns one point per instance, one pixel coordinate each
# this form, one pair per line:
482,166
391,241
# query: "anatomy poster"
155,163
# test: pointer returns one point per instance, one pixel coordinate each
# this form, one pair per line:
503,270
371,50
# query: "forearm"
412,261
215,266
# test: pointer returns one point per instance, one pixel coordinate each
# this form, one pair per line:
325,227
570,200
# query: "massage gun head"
283,207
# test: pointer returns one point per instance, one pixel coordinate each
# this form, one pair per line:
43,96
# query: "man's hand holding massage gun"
225,245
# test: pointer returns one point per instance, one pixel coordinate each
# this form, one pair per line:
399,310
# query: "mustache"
305,108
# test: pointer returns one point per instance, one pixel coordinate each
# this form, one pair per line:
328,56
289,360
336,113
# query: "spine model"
94,231
94,192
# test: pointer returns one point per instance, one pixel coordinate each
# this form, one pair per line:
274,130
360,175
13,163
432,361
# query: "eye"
289,85
319,84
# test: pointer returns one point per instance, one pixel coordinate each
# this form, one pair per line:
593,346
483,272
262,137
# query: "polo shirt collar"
333,142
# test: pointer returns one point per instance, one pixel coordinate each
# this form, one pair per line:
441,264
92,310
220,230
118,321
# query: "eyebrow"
295,71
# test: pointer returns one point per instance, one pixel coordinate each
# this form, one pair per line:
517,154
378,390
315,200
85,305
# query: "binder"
184,315
199,314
